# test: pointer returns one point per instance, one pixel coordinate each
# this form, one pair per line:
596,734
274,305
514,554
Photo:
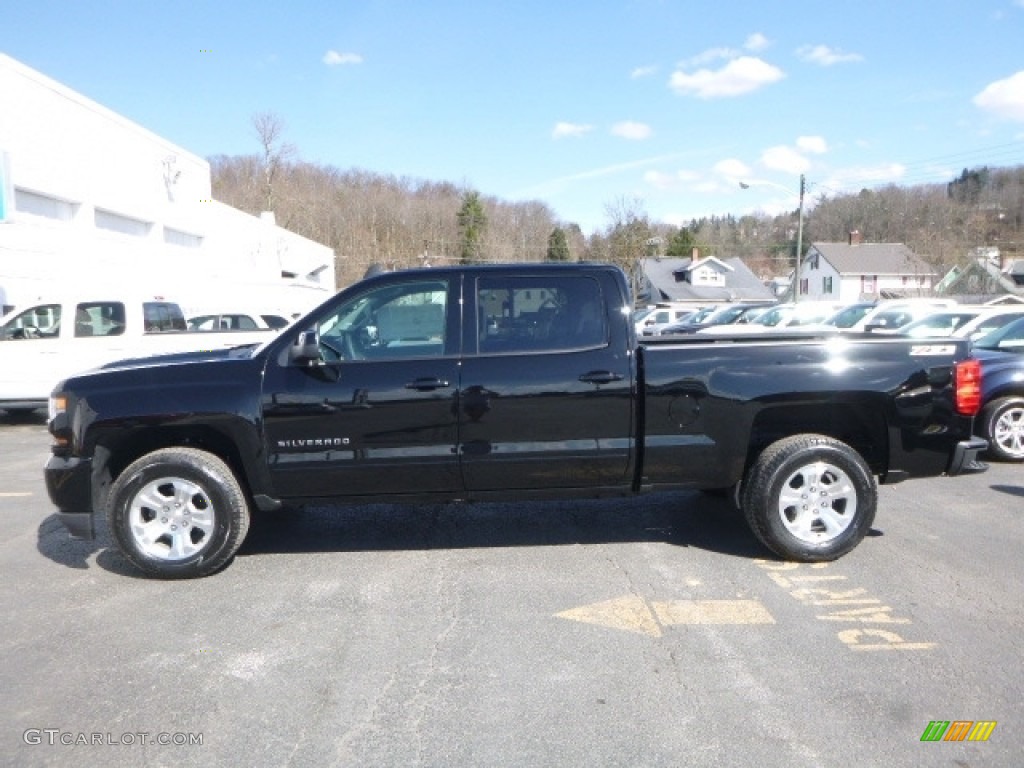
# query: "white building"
858,271
88,197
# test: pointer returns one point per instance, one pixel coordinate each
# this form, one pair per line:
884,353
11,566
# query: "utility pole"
799,241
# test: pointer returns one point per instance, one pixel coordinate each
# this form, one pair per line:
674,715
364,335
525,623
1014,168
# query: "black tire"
1002,424
809,498
178,513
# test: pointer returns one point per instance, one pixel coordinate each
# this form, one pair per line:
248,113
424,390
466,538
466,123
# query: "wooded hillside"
369,218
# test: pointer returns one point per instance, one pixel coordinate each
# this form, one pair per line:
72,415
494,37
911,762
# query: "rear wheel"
178,513
810,498
1002,424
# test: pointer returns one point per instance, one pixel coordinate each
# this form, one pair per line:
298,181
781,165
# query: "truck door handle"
426,384
600,377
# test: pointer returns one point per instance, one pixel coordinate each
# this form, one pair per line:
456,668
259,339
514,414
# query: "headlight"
59,424
58,405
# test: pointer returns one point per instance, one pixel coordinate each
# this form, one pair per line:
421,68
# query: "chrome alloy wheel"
1008,431
171,518
817,502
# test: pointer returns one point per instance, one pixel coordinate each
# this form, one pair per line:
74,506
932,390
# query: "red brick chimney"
695,255
856,238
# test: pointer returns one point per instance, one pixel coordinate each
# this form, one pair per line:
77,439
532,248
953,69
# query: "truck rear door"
545,400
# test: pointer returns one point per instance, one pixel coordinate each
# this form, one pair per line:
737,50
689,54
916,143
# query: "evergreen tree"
472,223
680,246
558,245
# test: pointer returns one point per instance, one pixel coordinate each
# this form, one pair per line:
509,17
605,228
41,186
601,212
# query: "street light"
799,227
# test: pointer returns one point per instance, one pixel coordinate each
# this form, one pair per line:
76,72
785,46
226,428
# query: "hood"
182,358
996,355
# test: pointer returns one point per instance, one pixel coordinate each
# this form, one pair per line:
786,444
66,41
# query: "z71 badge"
930,350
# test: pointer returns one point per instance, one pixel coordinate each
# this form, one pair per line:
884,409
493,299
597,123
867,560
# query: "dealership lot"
652,631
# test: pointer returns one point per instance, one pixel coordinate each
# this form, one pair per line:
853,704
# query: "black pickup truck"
502,382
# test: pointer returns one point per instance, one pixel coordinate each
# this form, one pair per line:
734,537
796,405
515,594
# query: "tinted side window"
539,314
99,318
389,322
160,317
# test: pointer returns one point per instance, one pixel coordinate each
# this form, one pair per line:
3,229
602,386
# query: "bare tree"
269,128
627,236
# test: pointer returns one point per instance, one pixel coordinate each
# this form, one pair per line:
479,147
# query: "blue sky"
577,104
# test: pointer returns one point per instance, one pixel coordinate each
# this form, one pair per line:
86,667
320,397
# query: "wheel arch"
117,450
861,424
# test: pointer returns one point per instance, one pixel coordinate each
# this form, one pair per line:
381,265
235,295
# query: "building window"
184,239
45,206
826,284
126,225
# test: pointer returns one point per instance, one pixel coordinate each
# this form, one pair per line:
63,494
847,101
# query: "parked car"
890,314
663,316
172,455
780,317
963,322
723,315
1001,420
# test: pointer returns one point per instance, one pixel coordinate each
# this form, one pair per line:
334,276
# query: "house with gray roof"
859,271
701,281
987,279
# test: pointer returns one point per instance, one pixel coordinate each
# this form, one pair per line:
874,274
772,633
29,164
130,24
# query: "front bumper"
69,484
965,457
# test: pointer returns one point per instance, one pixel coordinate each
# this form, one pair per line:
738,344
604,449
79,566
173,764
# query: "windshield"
1008,338
847,318
774,316
939,324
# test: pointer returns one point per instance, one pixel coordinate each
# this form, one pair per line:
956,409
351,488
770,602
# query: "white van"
52,339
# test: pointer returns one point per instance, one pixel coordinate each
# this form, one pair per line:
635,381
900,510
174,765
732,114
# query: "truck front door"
546,384
375,414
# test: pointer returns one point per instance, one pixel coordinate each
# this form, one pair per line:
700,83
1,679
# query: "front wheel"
178,513
810,498
1002,424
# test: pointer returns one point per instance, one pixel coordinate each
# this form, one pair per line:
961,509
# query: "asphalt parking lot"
648,632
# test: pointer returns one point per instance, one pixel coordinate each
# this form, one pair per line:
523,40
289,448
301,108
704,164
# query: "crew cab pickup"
43,343
502,382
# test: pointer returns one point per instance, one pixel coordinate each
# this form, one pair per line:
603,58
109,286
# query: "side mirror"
305,350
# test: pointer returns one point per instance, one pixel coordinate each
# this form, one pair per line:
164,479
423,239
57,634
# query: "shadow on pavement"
1012,490
682,519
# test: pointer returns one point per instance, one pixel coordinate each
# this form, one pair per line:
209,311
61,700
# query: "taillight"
968,387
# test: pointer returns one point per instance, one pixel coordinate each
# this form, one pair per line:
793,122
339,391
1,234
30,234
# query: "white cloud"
643,72
335,58
826,56
739,76
706,57
1004,98
659,179
663,180
786,159
732,169
566,130
758,42
871,174
631,130
814,145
